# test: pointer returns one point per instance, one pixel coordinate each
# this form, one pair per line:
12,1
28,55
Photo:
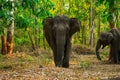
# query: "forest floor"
83,66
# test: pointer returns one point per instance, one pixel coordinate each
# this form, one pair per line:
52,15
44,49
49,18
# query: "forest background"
21,21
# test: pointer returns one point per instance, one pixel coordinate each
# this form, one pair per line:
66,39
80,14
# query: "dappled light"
59,39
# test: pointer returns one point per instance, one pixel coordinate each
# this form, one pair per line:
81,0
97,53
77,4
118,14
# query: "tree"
30,18
10,33
91,22
113,11
7,19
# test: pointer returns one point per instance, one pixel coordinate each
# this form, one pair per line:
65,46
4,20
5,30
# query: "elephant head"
105,39
58,32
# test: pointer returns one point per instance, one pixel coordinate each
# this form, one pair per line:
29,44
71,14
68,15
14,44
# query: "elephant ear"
47,27
105,38
115,33
74,26
109,36
48,23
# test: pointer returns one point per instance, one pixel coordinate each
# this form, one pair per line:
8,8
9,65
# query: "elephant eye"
67,21
54,27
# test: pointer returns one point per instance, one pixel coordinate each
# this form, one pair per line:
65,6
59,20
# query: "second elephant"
111,38
58,32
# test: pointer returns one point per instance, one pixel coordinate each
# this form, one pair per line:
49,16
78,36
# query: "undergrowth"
22,59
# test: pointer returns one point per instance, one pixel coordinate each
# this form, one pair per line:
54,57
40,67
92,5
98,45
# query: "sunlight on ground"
21,66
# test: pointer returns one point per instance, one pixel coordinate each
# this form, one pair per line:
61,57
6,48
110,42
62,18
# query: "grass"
104,55
84,64
23,60
26,66
2,58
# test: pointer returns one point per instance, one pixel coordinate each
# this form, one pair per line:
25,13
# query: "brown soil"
82,67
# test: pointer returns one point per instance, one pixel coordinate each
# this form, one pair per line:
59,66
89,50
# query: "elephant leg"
55,57
67,55
110,54
116,58
114,51
119,56
114,55
110,57
59,60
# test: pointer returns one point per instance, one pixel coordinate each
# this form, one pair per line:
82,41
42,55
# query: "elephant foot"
65,65
58,64
98,57
112,61
116,62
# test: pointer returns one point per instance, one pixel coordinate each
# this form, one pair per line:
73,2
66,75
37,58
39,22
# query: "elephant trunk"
60,42
97,49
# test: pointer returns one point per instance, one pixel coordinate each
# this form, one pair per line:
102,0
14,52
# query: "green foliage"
84,64
28,58
21,21
16,60
2,58
105,55
7,66
29,14
47,61
1,66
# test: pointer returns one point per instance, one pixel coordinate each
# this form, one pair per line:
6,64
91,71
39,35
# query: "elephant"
112,38
58,32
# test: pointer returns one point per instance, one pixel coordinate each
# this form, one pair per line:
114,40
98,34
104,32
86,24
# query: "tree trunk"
39,32
112,23
112,18
7,43
98,24
10,32
83,35
91,25
92,17
36,37
112,14
33,45
4,47
10,38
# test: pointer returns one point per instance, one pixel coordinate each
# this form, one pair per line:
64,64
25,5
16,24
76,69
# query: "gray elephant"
111,38
58,32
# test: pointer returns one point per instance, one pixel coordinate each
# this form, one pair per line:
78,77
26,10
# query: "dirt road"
82,67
